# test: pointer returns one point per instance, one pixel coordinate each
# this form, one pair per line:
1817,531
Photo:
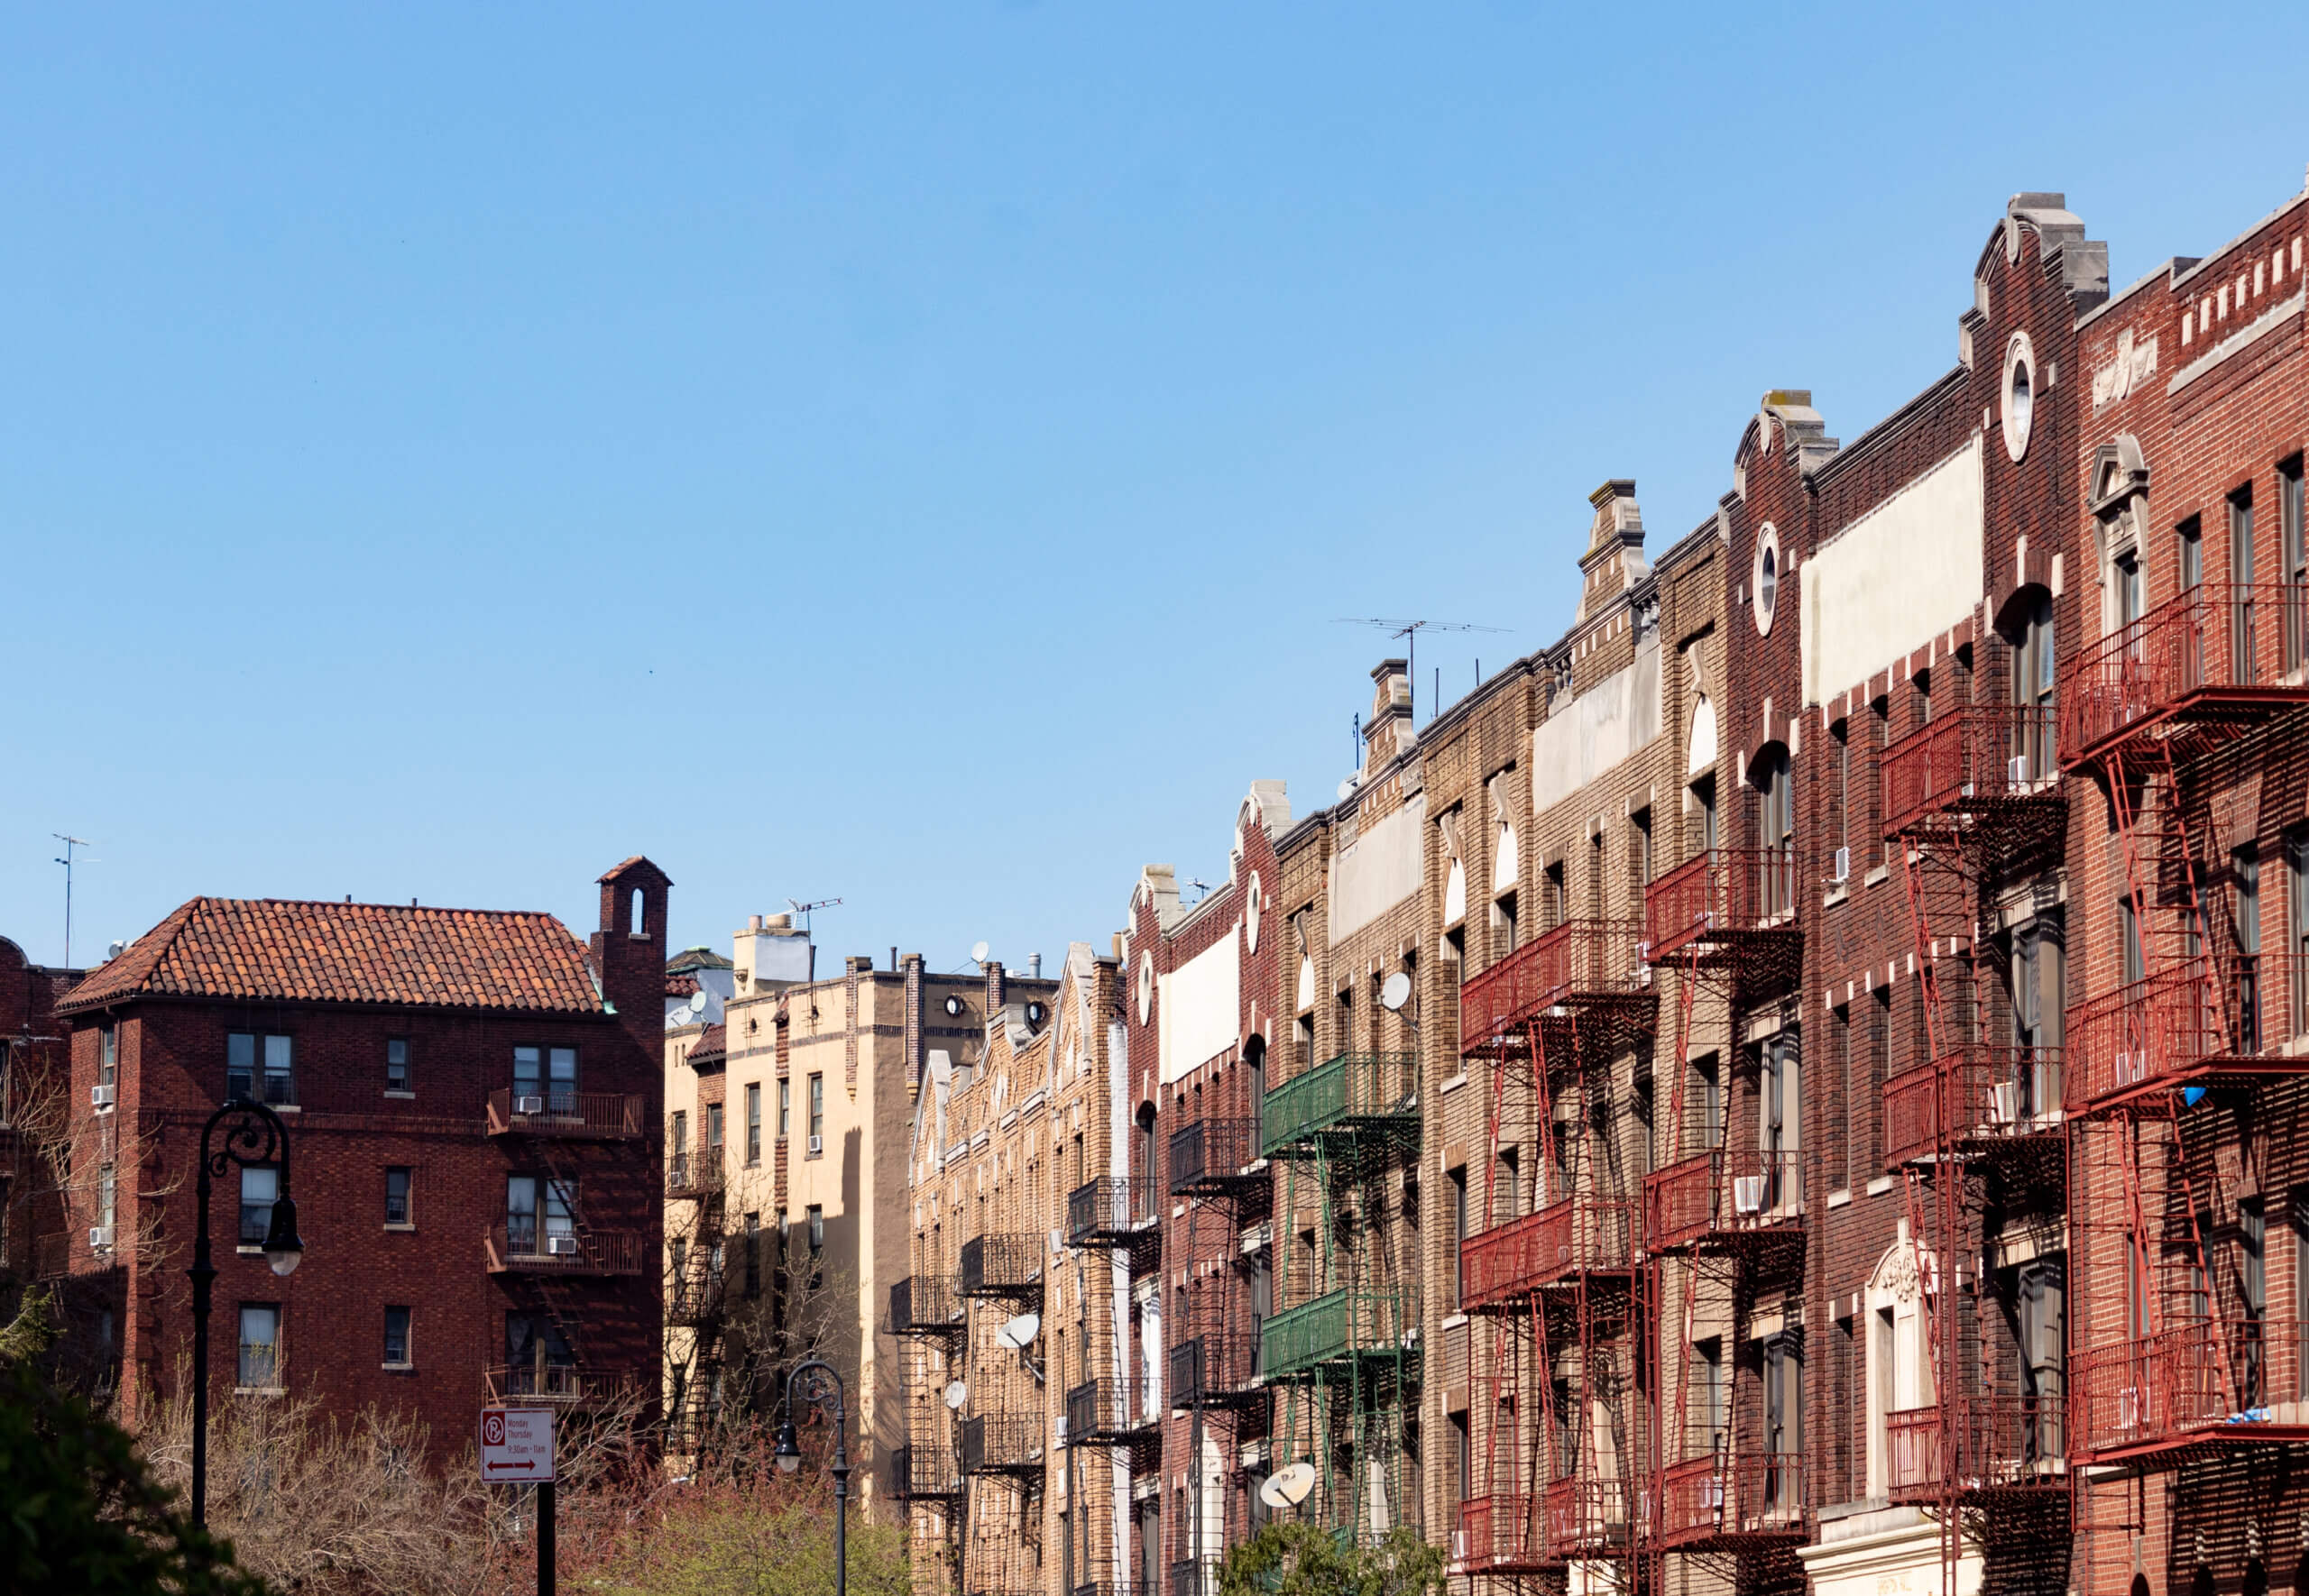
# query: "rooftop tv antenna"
67,861
802,909
1409,631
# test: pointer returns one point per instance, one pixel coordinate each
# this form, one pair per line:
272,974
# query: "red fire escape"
2169,1361
1974,799
1558,1438
1725,1491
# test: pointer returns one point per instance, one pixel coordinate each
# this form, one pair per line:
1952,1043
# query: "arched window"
1775,830
640,913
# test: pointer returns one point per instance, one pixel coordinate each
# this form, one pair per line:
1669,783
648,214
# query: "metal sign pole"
545,1538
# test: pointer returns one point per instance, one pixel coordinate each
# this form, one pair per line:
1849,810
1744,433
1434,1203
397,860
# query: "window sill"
395,1092
753,1163
1453,1084
246,1250
260,1390
1839,1197
398,1367
405,1224
1880,1186
1836,894
1453,1322
1880,873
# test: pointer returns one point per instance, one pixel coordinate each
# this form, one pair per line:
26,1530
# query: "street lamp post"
254,1135
823,1388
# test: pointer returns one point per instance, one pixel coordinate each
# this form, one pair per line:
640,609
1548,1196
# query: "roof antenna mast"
70,844
808,941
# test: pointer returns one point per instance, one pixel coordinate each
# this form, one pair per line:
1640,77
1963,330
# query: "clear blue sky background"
917,455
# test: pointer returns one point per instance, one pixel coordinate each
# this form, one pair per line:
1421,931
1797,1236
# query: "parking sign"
517,1445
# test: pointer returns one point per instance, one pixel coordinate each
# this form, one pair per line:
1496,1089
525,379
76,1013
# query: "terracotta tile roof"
681,986
713,1043
288,951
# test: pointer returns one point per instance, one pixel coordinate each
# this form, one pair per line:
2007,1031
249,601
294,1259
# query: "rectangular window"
397,1064
1463,1451
2188,547
713,1131
260,1361
2294,567
817,1113
107,1196
260,1068
753,1122
753,1255
1783,1419
1841,835
817,1216
550,1073
679,1136
397,1338
1459,1179
2041,1289
397,1197
2129,941
1706,1117
108,1055
1640,852
2245,937
2296,924
2241,621
1551,903
1843,1126
785,1107
260,1189
1710,1394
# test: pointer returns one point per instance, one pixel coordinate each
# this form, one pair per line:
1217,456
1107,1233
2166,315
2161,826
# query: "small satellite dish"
978,952
941,1067
1395,993
956,1395
1019,1334
1289,1487
1347,789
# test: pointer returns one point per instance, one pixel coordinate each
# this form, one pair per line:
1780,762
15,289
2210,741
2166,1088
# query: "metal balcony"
1726,906
1581,964
1734,1201
1195,1576
1109,1411
2218,653
554,1385
1978,1100
694,1300
1334,1330
1587,1516
1997,1444
1002,1445
1211,1157
1580,1237
526,1249
585,1117
1989,770
2156,1401
1002,1264
692,1175
1113,1211
1499,1534
1218,1369
2197,1022
922,1475
1725,1503
925,1304
1354,1096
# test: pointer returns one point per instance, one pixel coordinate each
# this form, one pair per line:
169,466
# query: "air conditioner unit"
99,1238
2004,1103
2133,1068
561,1246
1843,864
529,1105
101,1097
1748,1193
817,1145
2129,1407
2016,771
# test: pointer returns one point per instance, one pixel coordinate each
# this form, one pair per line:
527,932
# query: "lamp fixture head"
284,1249
789,1452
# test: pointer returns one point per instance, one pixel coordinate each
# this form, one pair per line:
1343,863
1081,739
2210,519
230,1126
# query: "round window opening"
2019,395
1767,577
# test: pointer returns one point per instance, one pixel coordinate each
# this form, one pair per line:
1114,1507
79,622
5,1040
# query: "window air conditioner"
1748,1193
2016,771
2004,1103
529,1105
561,1246
2133,1068
817,1145
1843,864
99,1238
2129,1407
101,1097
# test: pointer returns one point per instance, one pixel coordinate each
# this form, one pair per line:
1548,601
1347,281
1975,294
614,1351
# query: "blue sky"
918,455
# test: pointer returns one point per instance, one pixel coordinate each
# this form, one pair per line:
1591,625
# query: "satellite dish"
1395,993
956,1395
1347,789
1019,1334
1289,1487
941,1067
978,952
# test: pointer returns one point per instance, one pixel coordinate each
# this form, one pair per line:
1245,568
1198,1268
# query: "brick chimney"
629,952
1388,731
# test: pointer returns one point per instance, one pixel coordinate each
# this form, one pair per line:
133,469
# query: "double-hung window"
817,1114
260,1361
546,1076
753,1122
261,1067
260,1189
397,1064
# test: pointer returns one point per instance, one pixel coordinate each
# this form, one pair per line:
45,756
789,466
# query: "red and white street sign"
517,1445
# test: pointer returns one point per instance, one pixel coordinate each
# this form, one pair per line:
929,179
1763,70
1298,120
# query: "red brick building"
473,1103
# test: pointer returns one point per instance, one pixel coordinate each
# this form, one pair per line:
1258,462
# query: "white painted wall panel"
1599,730
1201,1013
1379,870
1896,578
